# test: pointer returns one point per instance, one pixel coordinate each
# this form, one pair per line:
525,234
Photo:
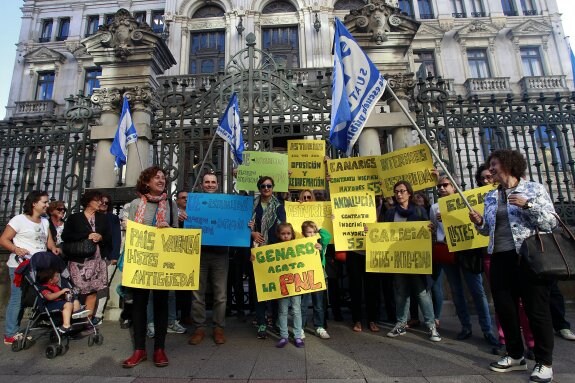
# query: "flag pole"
204,161
140,158
433,152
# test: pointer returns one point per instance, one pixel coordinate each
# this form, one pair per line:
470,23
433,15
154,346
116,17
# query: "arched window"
406,7
283,44
279,7
208,11
549,142
492,139
348,4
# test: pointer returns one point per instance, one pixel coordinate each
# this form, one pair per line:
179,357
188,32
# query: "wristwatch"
528,205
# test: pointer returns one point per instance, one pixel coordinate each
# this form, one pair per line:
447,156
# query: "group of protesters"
525,307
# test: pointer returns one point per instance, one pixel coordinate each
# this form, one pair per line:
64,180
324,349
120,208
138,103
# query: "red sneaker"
137,357
160,358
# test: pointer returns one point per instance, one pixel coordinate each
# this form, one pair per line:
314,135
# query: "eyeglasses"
61,209
104,202
445,185
266,186
306,197
400,191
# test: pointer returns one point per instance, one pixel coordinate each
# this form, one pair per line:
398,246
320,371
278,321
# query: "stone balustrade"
538,84
35,108
487,86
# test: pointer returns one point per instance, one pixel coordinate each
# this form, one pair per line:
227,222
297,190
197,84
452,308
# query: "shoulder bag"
550,255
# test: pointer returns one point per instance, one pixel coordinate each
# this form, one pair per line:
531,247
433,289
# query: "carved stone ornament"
401,83
108,99
44,55
123,33
140,97
379,18
77,49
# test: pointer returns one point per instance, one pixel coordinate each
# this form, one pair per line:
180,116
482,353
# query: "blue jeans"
12,324
283,306
474,283
403,285
437,289
317,299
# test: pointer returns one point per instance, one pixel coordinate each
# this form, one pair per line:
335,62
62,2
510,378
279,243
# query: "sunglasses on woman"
266,186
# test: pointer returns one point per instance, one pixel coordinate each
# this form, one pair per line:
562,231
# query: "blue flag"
356,87
572,64
230,129
125,135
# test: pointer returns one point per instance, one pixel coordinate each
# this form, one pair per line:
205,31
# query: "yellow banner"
305,160
318,212
287,269
352,211
460,233
161,259
411,164
354,174
398,247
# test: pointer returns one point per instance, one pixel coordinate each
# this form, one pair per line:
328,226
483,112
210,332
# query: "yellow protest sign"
287,269
318,212
411,164
305,160
259,164
460,233
398,247
354,174
352,211
161,259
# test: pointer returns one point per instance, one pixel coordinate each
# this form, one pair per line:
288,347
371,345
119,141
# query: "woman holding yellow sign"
404,210
153,208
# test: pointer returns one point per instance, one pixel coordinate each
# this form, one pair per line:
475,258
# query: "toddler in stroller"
62,299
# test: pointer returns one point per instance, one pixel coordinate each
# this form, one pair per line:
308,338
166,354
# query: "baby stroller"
41,320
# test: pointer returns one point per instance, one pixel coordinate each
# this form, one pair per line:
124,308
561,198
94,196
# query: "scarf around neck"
269,216
161,200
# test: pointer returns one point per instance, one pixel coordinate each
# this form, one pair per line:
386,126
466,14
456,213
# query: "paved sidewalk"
347,356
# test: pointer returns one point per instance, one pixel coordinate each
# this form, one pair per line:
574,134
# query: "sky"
10,28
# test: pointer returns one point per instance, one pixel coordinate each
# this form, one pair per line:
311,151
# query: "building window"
406,7
509,7
477,9
531,61
458,9
341,5
92,25
45,86
63,29
279,7
283,45
109,18
478,63
425,10
140,17
208,11
91,81
46,34
207,53
427,58
158,21
492,139
528,8
550,143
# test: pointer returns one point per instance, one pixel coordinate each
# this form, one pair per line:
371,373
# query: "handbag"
440,254
79,250
550,255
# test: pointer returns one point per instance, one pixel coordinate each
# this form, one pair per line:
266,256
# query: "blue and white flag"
356,87
572,64
125,135
230,129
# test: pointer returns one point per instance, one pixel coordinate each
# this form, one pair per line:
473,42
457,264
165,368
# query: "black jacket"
78,228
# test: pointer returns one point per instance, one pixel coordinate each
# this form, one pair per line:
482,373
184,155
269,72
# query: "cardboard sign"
318,212
398,247
460,233
305,161
354,174
161,259
352,211
287,269
223,218
411,164
259,164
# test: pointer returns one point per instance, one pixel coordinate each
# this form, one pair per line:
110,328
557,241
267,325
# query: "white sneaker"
151,331
302,334
541,374
396,331
176,328
82,313
507,364
567,334
434,335
322,333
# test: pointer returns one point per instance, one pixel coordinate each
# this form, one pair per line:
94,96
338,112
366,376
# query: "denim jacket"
523,221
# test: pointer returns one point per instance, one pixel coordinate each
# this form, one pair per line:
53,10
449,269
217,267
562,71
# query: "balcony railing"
530,12
426,16
43,39
487,86
35,108
478,14
547,84
459,15
510,12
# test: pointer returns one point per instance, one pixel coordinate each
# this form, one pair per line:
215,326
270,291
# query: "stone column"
402,84
138,158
